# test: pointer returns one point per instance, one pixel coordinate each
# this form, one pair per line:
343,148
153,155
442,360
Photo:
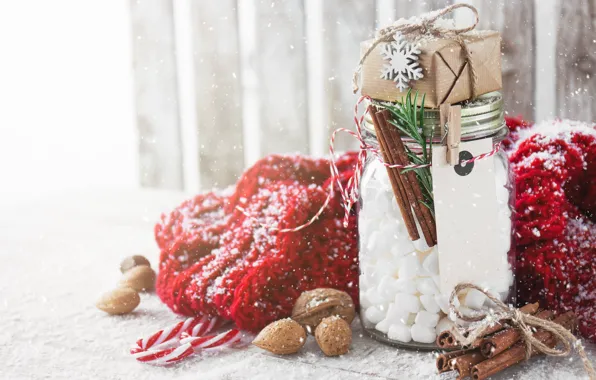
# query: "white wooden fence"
219,84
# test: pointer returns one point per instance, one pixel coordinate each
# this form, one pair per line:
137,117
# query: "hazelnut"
314,305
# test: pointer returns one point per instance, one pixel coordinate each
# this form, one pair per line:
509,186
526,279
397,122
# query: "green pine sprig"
409,119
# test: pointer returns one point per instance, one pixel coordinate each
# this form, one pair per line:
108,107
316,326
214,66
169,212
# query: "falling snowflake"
403,63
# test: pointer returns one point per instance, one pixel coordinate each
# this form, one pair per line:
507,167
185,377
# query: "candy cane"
169,336
188,347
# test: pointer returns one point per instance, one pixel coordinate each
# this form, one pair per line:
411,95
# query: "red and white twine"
349,192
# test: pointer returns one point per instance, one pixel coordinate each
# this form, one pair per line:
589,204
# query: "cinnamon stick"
443,361
530,308
517,353
499,342
401,151
464,364
396,182
447,340
414,193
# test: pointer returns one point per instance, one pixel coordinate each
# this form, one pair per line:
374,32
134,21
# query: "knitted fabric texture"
554,164
215,260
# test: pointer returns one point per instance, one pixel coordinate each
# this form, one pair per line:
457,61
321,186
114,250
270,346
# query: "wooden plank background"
576,60
217,92
275,76
515,20
156,94
280,61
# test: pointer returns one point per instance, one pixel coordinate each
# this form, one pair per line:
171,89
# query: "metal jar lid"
480,118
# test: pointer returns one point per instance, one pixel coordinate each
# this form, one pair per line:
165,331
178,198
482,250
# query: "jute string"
426,25
526,323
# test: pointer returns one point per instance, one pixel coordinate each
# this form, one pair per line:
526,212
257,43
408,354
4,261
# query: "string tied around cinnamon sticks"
526,323
426,24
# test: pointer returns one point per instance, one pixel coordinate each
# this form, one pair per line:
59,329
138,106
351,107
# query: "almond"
119,301
140,278
282,337
133,261
314,305
334,336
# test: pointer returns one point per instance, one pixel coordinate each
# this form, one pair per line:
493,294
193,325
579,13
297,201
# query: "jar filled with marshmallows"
425,229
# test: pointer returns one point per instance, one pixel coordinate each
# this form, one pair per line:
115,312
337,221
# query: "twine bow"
426,25
526,323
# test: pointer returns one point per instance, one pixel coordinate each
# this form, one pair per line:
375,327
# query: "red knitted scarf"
555,168
216,260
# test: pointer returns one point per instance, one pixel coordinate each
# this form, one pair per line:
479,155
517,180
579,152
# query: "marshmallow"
395,314
443,302
431,262
374,315
380,205
409,267
371,242
443,325
373,296
425,318
406,286
385,268
399,332
407,302
437,279
426,285
387,288
420,244
383,326
474,299
364,302
429,303
383,178
423,334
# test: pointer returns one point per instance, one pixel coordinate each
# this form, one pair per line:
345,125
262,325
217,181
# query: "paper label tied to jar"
466,213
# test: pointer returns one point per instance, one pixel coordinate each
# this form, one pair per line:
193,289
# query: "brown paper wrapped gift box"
445,68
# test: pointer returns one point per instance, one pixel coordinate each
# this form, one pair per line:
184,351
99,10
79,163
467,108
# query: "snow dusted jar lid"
480,118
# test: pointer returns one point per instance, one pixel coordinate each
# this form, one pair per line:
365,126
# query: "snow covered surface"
59,253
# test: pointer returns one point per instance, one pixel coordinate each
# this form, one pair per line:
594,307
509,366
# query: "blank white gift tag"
466,217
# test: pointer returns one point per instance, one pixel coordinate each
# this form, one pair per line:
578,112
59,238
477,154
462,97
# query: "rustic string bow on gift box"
526,323
430,55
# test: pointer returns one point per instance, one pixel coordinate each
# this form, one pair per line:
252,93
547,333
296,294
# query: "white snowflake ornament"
403,65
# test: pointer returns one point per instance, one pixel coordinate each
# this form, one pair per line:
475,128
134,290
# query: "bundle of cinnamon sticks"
406,187
499,348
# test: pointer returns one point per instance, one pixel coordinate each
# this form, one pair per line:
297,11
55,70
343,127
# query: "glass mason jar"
400,297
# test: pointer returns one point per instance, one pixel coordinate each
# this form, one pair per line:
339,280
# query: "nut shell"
334,336
140,278
314,305
282,337
133,261
119,301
